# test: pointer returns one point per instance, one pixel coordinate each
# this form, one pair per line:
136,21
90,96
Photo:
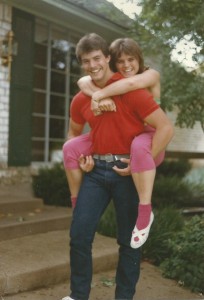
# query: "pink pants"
140,158
73,148
140,153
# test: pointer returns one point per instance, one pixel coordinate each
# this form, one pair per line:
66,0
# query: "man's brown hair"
91,42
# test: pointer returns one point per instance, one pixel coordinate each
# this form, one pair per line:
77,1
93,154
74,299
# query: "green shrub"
167,222
51,185
107,225
186,260
177,168
175,191
171,191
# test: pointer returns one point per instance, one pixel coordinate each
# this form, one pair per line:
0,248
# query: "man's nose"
92,64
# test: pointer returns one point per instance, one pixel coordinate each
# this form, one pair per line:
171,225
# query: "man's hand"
86,163
95,108
123,172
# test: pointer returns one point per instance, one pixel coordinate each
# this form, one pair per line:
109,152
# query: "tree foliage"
159,28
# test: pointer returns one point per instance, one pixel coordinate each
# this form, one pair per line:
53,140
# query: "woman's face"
127,65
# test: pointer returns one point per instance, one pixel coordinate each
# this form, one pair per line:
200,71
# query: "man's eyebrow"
98,55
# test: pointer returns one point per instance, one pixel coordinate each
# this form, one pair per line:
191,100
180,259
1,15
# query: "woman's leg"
143,169
72,150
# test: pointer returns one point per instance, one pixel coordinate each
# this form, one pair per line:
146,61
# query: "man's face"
96,65
127,65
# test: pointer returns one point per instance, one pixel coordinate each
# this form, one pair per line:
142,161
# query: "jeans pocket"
120,164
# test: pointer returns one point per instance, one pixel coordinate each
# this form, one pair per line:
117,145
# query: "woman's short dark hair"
129,47
91,42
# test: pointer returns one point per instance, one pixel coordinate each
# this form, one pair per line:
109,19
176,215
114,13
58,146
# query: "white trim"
70,16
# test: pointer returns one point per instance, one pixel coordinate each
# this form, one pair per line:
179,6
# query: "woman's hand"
98,95
86,163
103,105
107,105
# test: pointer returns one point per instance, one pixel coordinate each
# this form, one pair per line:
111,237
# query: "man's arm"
163,135
164,131
75,129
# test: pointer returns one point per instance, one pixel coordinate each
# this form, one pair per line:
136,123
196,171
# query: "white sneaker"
67,298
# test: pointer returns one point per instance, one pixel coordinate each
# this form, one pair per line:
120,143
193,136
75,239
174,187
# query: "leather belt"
110,157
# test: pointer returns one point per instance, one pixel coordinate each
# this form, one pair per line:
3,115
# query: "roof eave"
70,16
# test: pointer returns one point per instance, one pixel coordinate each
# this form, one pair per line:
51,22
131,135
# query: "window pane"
40,54
38,151
39,103
57,105
39,78
73,85
60,49
38,126
57,83
75,68
57,128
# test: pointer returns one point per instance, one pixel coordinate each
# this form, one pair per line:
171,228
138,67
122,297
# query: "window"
56,72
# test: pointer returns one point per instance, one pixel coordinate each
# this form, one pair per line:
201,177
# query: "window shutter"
21,90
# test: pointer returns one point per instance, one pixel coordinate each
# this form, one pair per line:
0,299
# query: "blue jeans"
98,188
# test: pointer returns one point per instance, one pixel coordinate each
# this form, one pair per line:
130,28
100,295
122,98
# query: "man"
112,134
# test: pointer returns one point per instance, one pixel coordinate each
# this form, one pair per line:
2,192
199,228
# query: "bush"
51,185
171,191
171,168
186,260
173,188
168,221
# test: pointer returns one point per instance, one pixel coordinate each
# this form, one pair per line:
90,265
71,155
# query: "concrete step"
35,220
18,198
41,260
18,189
10,204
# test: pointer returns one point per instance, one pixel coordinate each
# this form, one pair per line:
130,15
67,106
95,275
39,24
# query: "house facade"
38,75
36,90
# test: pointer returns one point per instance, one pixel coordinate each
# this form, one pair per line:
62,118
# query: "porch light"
8,48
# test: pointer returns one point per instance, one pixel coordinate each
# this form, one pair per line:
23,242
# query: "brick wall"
5,26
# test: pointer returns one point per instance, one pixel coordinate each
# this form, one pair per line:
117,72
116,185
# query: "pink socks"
144,211
73,200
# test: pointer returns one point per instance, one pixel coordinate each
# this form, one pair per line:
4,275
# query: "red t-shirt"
113,132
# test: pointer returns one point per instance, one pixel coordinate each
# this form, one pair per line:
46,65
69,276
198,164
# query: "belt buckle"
109,157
